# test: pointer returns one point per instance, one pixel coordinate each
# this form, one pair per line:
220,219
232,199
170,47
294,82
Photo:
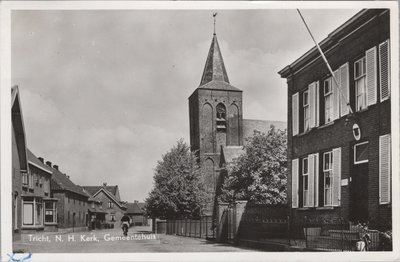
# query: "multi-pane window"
50,212
110,204
112,217
305,181
328,174
328,100
360,84
306,111
32,211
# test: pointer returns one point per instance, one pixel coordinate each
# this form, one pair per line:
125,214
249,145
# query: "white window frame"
54,211
306,111
112,217
328,172
46,187
25,179
363,74
30,180
304,175
35,221
330,96
354,154
110,204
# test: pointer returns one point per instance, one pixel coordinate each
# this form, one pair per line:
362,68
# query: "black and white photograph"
199,131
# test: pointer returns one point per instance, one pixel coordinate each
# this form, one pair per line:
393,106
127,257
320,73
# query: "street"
140,239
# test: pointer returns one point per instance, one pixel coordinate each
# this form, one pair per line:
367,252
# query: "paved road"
110,240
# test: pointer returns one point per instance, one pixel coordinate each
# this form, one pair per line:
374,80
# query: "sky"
104,93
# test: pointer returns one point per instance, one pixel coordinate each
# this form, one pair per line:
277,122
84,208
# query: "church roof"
214,74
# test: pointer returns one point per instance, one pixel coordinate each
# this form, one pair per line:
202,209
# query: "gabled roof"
18,127
229,153
94,189
33,160
106,192
60,181
135,208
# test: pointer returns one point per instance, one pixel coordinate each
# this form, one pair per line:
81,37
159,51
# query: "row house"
72,204
339,163
38,208
111,202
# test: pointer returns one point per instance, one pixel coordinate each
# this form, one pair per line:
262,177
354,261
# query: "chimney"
48,163
55,167
41,159
104,184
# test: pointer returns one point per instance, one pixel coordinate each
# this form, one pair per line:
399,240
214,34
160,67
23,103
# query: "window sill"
304,208
326,125
324,208
51,224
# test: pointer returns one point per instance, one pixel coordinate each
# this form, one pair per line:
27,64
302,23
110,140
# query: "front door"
359,183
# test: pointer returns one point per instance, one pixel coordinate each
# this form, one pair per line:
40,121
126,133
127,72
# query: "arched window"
221,117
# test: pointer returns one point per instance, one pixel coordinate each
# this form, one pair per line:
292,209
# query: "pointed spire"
214,69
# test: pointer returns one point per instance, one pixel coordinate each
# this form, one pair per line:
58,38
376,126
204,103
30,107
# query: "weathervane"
214,15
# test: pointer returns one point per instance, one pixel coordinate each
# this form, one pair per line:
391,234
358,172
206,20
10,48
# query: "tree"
178,190
259,175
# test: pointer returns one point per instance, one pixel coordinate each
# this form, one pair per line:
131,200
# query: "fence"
338,236
201,228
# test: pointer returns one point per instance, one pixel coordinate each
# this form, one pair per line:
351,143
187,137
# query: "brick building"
136,213
111,202
19,160
216,119
339,164
72,204
38,208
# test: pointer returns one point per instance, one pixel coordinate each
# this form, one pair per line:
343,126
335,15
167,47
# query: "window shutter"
335,92
295,183
311,95
316,179
384,70
337,169
371,75
295,114
311,175
317,116
344,87
384,169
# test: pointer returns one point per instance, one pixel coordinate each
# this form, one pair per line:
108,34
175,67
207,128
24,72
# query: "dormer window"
221,117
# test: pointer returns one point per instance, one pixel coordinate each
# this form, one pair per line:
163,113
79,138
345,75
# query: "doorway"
359,183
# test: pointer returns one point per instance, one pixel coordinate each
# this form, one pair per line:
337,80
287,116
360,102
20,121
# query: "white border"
5,130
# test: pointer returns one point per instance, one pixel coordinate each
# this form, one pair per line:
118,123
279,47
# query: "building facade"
339,163
19,160
136,213
72,204
111,202
38,208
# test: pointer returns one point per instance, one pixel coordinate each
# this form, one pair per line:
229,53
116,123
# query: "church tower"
215,112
